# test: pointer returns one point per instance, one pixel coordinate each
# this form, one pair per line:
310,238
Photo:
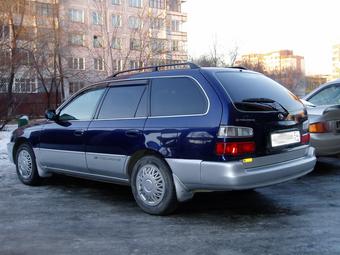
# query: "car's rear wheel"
153,186
26,165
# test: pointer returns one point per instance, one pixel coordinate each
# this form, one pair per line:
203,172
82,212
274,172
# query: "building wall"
336,62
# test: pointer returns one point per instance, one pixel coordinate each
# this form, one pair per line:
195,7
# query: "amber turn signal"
319,127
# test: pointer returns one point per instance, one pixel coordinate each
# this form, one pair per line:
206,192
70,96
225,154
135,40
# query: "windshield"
244,87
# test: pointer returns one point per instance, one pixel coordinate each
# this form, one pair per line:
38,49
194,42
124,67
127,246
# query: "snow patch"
5,137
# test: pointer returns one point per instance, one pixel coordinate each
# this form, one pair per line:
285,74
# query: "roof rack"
156,68
238,67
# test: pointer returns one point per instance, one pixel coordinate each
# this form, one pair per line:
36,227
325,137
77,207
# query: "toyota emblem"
281,116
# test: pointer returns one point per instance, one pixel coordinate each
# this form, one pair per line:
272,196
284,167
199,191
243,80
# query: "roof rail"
238,67
156,68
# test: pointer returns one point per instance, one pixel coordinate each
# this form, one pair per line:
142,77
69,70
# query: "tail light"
318,127
235,132
234,148
305,138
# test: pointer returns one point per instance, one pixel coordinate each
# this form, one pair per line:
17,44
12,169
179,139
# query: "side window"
122,102
177,96
82,107
327,96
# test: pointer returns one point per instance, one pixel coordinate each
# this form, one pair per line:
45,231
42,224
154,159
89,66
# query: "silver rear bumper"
193,175
10,147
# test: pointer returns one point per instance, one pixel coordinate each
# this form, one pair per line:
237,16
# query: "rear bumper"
326,144
195,175
10,147
234,176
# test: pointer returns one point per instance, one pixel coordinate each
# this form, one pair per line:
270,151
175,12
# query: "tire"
149,173
26,165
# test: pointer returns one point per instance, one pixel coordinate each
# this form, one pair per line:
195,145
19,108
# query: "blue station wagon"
171,133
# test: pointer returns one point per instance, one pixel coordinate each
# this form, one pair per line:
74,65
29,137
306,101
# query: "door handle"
79,132
133,133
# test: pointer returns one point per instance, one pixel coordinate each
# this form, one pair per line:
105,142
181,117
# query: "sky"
308,27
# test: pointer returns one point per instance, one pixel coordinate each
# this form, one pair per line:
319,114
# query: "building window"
116,2
134,22
116,20
25,86
76,86
97,18
174,6
175,25
77,39
116,43
3,85
157,45
118,65
99,64
76,63
98,41
135,44
135,3
175,45
136,64
76,15
44,9
157,4
157,23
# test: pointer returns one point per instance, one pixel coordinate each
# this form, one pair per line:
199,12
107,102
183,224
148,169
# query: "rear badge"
281,116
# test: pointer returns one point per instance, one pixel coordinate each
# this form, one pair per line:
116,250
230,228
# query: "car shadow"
233,204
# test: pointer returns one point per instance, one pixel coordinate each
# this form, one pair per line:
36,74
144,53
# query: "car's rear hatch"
277,117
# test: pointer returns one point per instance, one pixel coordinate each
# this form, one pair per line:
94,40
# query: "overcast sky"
309,27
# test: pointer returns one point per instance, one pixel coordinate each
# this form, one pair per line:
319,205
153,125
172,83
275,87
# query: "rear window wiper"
264,104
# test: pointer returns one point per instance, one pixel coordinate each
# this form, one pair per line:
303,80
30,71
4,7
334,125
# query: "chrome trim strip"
89,175
79,152
137,118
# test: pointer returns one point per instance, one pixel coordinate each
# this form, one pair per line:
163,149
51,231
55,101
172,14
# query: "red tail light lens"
234,148
305,138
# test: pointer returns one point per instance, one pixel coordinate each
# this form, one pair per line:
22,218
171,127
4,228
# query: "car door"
117,130
62,142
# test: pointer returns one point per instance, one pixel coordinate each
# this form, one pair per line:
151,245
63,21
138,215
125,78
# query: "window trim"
136,81
165,77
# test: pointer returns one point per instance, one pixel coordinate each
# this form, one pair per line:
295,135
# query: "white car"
323,107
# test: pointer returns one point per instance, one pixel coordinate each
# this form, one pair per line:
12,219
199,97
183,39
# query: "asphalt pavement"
71,216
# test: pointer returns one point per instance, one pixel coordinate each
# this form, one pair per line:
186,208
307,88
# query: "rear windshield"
247,87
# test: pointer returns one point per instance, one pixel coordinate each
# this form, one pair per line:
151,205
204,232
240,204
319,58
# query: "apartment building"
283,66
66,45
276,61
336,62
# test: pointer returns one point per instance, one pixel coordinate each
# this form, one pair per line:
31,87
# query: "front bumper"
326,144
10,147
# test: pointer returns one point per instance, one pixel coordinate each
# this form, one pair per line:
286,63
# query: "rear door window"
123,102
247,90
177,96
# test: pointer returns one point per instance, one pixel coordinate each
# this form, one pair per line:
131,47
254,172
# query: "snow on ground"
5,136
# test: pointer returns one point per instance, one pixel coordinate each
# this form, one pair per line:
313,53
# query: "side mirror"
50,115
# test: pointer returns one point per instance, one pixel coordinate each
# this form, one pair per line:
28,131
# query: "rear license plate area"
279,139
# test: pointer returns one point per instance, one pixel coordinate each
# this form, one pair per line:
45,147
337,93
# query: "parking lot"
71,216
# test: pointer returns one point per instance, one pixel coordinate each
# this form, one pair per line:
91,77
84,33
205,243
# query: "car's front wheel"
26,165
153,186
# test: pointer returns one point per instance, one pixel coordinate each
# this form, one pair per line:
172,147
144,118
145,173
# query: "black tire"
168,201
33,178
